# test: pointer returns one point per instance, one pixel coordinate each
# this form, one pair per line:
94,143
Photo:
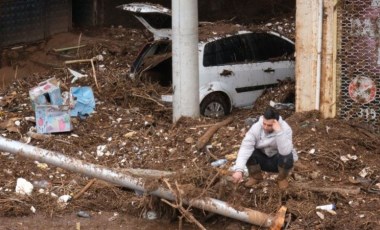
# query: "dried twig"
178,205
149,98
92,65
70,48
94,73
79,40
88,185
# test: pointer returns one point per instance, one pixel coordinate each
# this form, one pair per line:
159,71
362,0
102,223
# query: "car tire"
215,105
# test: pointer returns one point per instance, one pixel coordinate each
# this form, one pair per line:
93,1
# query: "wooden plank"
306,51
328,78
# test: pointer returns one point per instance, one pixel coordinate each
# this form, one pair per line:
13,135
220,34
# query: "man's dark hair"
271,113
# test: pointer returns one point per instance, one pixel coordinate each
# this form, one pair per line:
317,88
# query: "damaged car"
235,65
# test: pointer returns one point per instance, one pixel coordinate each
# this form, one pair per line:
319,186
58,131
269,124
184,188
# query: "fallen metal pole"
106,174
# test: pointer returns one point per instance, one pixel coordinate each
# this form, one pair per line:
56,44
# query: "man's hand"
276,126
237,177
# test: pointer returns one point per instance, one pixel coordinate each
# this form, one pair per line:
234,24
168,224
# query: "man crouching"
267,146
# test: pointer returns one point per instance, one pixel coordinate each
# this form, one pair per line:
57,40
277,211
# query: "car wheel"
215,105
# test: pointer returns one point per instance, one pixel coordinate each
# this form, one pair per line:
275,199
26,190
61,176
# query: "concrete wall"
28,21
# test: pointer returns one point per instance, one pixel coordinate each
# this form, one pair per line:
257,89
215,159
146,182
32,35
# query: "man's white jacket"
270,144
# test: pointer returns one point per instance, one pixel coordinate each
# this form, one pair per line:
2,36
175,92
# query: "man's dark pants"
271,164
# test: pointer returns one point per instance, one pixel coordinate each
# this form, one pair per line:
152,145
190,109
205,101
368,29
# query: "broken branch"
69,48
210,132
343,191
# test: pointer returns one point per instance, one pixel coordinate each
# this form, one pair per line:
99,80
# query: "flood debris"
53,112
209,204
24,187
83,214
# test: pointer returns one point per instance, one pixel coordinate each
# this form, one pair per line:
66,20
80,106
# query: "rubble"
138,133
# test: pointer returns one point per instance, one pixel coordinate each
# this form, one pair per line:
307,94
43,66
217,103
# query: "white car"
234,67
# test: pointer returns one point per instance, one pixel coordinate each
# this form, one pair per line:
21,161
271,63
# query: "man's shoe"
282,179
283,184
255,175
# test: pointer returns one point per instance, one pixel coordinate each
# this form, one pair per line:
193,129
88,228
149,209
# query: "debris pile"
132,129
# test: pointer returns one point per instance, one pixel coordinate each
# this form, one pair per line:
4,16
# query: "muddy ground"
338,159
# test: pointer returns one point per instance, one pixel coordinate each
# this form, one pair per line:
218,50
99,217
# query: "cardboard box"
47,92
53,119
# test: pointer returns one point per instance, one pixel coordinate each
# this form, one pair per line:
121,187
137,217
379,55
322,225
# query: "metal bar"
106,174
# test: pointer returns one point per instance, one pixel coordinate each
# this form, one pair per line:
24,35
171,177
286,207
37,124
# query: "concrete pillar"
185,59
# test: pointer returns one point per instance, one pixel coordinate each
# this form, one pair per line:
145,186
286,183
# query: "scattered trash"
99,57
348,157
76,75
365,172
353,203
32,119
150,215
312,151
218,163
102,150
281,106
46,93
326,207
114,217
24,187
167,98
83,214
53,110
84,101
53,119
102,67
361,215
64,199
189,140
33,209
41,165
320,215
41,184
130,134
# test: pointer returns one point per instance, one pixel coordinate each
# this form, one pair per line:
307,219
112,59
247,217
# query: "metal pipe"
106,174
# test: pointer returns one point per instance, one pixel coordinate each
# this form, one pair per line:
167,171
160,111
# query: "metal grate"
359,61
